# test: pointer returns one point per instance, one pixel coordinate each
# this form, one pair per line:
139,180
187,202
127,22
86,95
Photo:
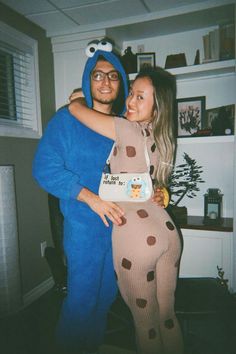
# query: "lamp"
213,207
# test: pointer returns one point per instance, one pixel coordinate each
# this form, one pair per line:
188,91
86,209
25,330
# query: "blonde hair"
164,85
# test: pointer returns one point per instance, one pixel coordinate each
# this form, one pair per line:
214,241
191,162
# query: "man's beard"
104,100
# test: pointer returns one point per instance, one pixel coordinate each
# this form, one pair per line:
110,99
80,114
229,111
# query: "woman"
146,246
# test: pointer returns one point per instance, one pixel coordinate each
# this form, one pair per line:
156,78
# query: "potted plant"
184,182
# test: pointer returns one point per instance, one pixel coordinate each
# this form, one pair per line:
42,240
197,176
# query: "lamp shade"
10,281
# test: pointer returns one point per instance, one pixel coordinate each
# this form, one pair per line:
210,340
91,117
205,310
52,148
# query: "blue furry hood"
86,87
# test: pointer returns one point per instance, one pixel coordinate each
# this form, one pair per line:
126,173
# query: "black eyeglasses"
100,75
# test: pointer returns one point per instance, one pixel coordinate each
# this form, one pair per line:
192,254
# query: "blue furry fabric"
69,157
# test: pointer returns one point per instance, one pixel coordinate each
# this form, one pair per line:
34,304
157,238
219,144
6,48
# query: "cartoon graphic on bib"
136,188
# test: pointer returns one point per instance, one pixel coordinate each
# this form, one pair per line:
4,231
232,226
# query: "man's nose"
106,80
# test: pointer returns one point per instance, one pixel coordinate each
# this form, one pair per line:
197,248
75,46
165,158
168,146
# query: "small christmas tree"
184,180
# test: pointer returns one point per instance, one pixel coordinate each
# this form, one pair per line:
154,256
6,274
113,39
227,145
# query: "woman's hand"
104,209
77,93
161,197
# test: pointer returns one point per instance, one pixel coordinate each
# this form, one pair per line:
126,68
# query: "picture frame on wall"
220,120
190,115
145,60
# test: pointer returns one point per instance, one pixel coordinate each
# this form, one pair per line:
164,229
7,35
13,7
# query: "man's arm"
51,173
49,167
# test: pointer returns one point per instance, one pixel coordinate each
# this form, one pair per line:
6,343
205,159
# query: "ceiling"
129,19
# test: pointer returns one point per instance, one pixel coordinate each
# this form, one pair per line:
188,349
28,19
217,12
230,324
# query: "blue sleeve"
50,168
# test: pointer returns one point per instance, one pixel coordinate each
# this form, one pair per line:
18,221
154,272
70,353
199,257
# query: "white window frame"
17,128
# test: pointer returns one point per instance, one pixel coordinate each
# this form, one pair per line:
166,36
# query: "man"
68,164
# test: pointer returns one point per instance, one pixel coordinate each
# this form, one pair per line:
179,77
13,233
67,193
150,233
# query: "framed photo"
220,120
190,115
145,60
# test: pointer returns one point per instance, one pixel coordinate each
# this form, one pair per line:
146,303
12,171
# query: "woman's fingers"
114,213
76,94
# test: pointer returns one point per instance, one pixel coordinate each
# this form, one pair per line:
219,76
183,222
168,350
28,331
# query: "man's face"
104,91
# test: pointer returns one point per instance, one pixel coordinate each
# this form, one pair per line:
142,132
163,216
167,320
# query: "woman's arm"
97,121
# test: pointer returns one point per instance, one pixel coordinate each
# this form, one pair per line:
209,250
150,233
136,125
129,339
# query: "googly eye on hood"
91,48
94,50
95,45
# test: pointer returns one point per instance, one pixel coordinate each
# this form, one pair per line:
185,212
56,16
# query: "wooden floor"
32,331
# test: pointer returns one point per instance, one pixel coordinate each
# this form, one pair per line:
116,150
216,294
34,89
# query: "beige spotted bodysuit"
146,249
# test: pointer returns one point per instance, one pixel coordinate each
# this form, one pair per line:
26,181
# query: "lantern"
213,207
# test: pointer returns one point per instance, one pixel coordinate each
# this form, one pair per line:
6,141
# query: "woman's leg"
135,252
146,250
166,275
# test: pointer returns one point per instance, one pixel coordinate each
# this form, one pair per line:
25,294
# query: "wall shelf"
207,139
196,223
205,70
212,69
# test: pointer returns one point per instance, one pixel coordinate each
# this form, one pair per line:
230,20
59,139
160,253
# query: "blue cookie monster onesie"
69,157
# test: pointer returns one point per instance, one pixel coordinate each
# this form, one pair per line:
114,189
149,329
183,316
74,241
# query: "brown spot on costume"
146,250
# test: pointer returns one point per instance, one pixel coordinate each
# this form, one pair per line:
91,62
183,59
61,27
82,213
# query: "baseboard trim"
38,291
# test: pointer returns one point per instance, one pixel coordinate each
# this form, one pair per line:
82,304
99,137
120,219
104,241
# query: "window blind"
16,89
20,113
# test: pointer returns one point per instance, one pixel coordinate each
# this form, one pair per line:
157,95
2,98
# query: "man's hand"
161,197
104,209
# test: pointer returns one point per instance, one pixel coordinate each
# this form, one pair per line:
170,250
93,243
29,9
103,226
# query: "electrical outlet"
43,245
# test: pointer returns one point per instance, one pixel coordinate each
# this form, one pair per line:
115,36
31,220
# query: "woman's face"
140,102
